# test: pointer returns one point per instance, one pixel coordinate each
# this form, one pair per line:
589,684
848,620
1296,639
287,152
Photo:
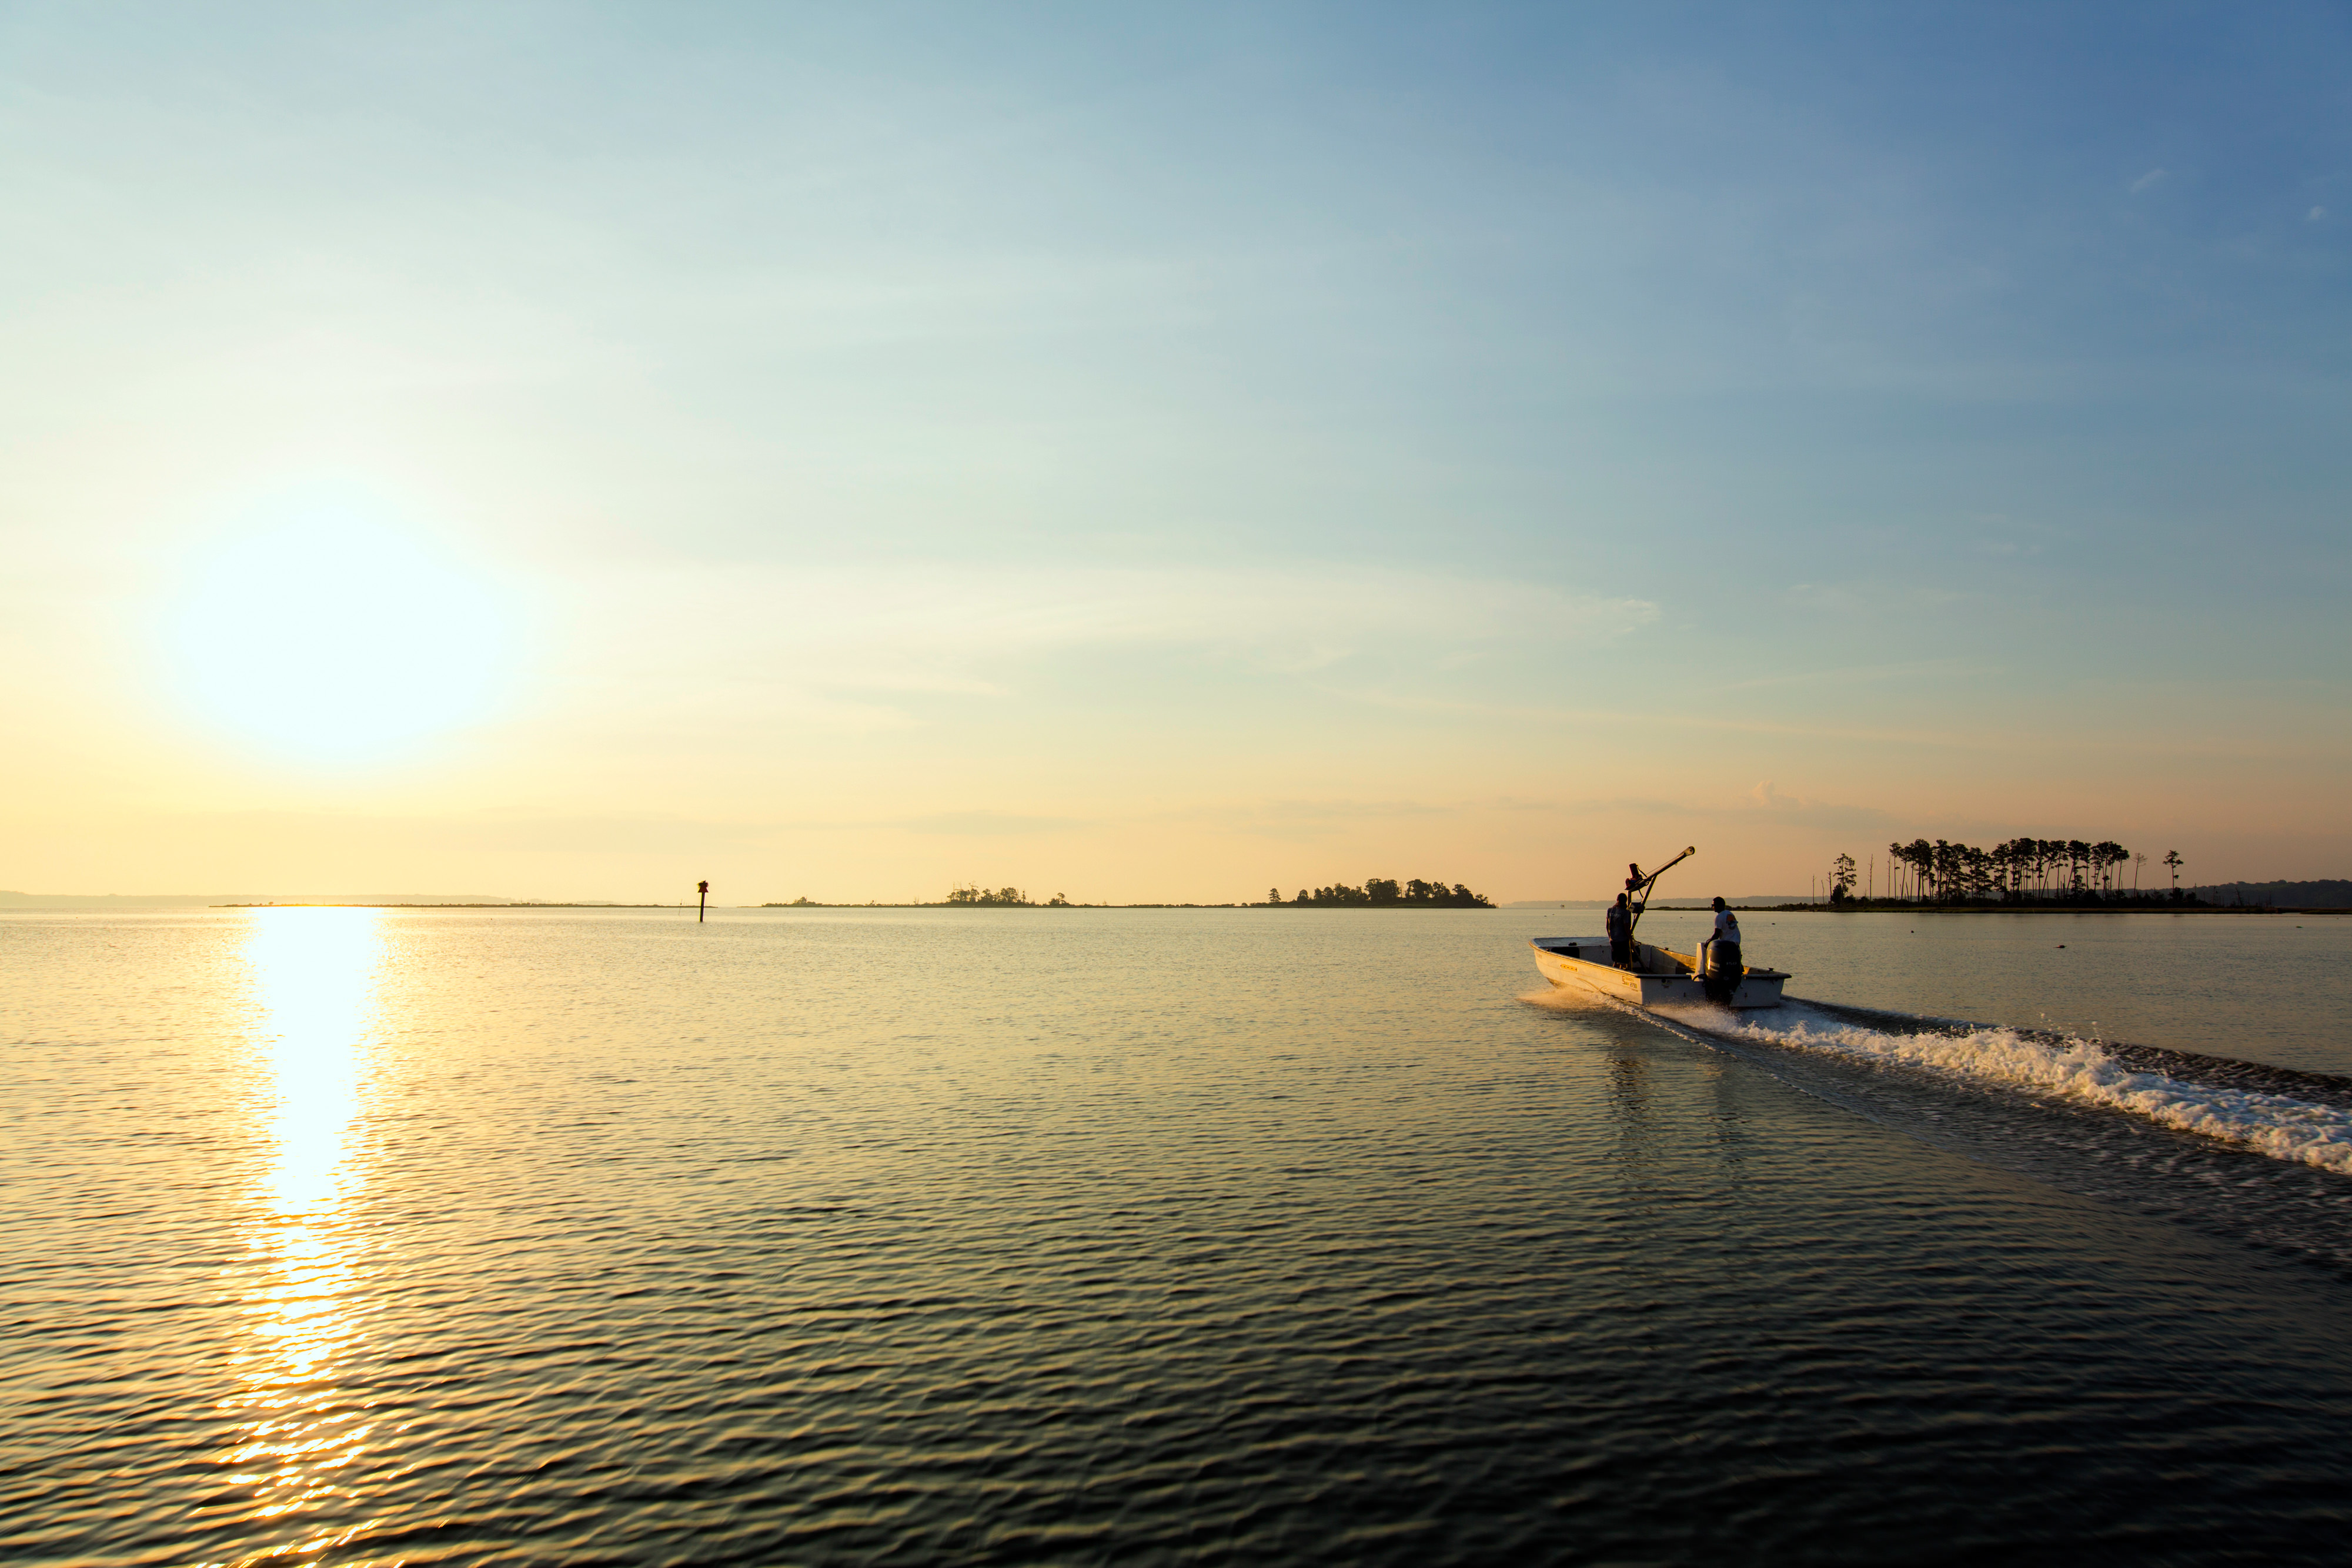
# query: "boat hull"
1659,977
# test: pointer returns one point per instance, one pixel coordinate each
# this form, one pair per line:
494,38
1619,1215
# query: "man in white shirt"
1722,965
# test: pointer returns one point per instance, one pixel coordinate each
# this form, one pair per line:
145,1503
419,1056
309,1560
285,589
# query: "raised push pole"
1649,883
703,890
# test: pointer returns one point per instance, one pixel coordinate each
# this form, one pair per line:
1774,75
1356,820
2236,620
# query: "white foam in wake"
2273,1124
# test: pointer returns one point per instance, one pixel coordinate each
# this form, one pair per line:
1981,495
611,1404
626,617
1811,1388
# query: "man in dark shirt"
1620,924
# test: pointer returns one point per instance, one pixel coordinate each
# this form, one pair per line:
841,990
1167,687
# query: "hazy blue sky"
842,452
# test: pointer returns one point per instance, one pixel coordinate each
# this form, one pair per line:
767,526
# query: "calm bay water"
1091,1235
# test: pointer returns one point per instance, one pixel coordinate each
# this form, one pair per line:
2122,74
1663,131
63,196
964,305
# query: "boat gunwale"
1647,988
1688,969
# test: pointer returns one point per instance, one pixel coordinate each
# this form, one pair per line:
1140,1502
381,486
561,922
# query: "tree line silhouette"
1386,890
2022,871
966,893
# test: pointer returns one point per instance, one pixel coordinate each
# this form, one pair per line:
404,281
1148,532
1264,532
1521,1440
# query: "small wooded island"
1379,892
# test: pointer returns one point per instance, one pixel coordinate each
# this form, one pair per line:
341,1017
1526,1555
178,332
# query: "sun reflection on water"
300,1432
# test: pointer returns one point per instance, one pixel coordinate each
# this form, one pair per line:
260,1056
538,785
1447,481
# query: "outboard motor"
1716,973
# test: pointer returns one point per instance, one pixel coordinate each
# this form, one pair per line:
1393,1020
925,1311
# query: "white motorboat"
1656,977
1659,977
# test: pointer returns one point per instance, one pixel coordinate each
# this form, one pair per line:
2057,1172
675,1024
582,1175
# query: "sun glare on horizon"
338,641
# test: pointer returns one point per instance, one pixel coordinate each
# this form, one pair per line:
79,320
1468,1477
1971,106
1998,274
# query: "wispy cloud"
1767,805
1800,812
820,645
1866,675
987,824
494,832
1667,720
2150,181
1299,820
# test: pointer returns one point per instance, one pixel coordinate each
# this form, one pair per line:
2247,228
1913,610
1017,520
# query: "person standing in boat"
1722,963
1620,924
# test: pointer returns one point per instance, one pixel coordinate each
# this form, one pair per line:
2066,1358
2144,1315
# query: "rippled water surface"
1014,1236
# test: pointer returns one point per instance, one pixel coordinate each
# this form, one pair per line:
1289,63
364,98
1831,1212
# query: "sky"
573,452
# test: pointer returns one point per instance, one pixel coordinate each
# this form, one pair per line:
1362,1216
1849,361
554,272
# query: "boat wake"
2259,1154
2282,1126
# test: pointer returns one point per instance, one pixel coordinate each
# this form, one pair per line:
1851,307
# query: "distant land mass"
2327,894
208,900
1744,900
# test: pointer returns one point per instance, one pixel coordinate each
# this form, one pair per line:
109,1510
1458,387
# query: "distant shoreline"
715,908
1530,907
738,908
1855,908
1859,907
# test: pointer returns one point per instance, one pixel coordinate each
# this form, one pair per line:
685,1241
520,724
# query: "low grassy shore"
1892,906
